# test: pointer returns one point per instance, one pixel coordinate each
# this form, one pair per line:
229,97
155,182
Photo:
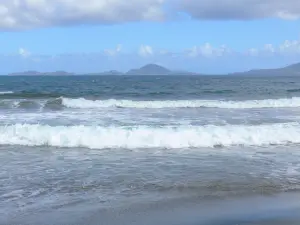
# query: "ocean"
77,149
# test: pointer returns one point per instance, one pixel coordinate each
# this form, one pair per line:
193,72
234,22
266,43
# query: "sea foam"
98,137
6,92
266,103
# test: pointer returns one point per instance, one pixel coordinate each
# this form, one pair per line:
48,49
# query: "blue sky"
206,36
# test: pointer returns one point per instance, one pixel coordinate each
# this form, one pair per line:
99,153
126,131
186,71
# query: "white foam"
266,103
97,137
6,92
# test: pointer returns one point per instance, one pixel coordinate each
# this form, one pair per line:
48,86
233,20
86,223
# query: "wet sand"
282,209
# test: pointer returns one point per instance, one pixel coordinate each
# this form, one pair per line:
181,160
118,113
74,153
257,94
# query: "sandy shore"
276,210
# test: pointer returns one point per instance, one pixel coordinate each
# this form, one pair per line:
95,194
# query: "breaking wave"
97,137
54,104
81,103
266,103
6,92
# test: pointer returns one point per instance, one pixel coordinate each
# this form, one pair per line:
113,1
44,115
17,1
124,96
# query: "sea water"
88,143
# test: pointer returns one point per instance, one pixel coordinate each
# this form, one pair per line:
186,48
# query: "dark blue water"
151,87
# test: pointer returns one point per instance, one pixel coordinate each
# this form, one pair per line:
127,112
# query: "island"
290,70
158,70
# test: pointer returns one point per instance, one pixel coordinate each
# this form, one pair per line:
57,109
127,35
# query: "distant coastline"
154,69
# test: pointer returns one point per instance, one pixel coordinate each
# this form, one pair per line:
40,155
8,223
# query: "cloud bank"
30,14
240,9
27,14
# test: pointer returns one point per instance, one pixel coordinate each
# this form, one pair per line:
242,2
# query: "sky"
205,36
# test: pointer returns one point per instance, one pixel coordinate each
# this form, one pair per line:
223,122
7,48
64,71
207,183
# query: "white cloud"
240,9
113,52
288,47
253,52
207,50
145,50
26,14
29,14
269,48
24,53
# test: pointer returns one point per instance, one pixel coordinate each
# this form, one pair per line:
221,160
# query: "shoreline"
281,209
278,209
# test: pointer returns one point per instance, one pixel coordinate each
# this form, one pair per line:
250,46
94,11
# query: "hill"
289,70
150,69
153,69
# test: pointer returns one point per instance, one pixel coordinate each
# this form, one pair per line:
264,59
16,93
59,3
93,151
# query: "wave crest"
266,103
97,137
6,92
81,103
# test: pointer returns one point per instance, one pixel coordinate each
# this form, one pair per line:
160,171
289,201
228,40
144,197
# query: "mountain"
150,69
36,73
153,69
289,70
294,67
